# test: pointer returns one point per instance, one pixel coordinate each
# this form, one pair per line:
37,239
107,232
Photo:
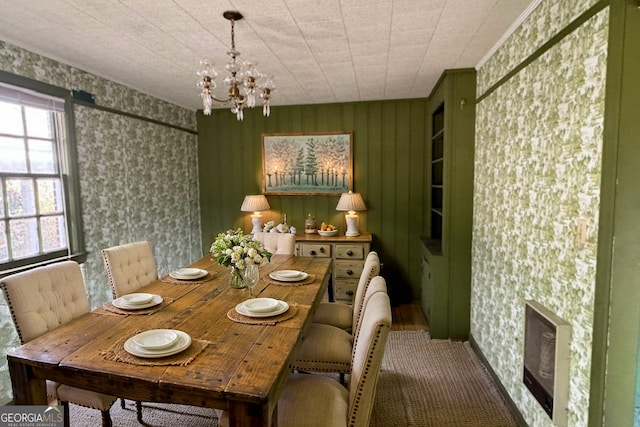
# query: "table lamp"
351,202
255,204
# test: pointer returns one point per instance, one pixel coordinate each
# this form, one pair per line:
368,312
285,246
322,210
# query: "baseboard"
512,406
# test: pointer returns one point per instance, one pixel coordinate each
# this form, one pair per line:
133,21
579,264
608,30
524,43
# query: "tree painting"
316,163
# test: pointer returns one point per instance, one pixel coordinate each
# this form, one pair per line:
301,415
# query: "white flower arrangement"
234,249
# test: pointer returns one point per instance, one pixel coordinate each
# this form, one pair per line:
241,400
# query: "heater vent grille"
546,360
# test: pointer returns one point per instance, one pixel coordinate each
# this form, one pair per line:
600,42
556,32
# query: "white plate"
188,271
120,303
182,343
137,298
281,308
289,274
261,305
176,274
276,276
156,339
328,233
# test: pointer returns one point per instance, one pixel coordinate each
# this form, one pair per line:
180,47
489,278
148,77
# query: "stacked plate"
158,343
288,275
137,301
188,273
262,307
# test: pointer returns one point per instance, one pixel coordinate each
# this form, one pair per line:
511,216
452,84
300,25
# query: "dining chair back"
129,267
345,316
321,401
371,270
277,243
326,348
42,299
368,352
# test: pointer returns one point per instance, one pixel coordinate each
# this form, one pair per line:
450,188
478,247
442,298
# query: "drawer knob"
321,250
349,272
350,293
350,252
313,252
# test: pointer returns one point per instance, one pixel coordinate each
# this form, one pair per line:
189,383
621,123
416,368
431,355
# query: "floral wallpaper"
537,175
138,180
545,21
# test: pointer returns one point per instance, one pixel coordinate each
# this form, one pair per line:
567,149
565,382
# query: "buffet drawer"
348,269
345,290
316,250
349,251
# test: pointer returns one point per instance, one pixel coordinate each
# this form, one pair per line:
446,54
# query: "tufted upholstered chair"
320,401
326,348
277,243
344,316
42,299
129,267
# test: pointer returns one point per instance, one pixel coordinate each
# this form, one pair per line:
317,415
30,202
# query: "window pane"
54,235
38,122
4,249
20,197
24,237
11,122
13,156
41,156
49,196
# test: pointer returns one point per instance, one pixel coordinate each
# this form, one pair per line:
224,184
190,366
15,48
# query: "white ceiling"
320,51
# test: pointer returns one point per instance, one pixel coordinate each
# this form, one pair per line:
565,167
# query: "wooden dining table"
242,368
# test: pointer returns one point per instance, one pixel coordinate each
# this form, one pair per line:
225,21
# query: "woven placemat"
109,308
310,279
237,317
209,276
117,353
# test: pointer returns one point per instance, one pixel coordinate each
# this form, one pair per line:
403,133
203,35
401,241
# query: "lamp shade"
255,203
351,202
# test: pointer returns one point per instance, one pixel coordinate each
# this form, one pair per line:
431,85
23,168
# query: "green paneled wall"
389,140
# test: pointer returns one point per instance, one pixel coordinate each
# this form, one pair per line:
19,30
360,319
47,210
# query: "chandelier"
244,80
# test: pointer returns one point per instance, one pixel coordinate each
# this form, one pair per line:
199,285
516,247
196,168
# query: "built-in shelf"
446,254
437,174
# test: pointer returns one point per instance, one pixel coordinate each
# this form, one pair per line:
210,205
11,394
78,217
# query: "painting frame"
307,163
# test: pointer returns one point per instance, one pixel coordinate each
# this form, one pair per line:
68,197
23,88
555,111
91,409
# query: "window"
35,221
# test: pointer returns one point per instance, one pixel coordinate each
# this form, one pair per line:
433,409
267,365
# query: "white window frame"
28,92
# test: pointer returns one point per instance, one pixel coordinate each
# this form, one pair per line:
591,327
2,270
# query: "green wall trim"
616,333
575,24
131,115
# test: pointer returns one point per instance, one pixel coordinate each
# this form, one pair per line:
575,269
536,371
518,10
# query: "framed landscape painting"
307,163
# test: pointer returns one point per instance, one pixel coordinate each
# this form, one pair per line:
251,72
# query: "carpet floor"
422,383
435,383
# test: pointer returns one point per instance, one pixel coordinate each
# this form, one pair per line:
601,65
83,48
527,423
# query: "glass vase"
235,279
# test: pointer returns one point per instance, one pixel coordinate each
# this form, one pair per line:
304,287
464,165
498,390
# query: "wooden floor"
408,317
